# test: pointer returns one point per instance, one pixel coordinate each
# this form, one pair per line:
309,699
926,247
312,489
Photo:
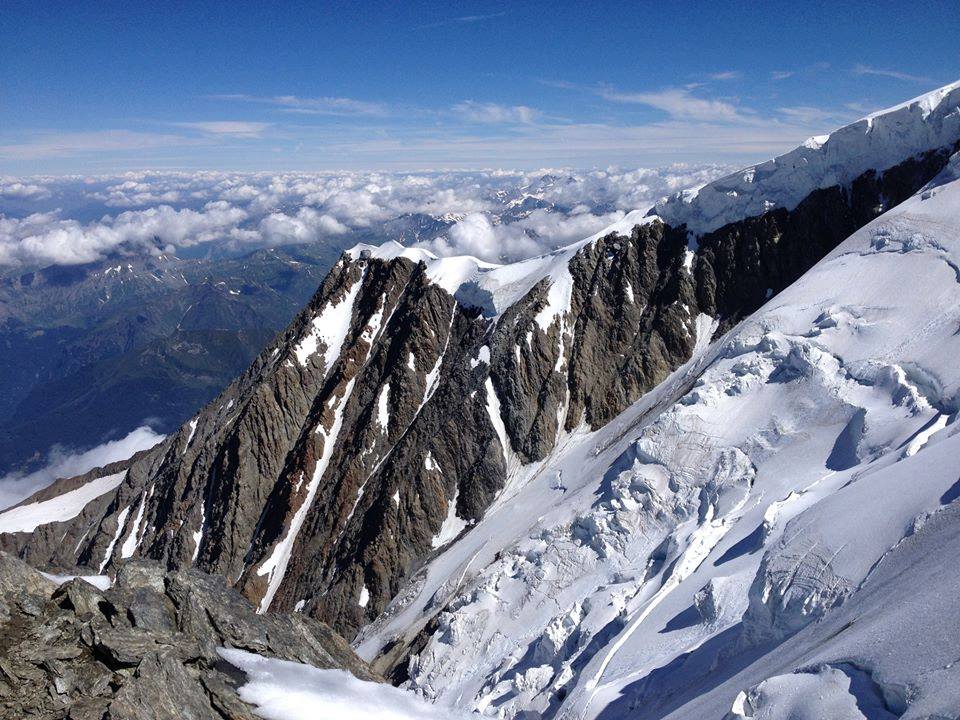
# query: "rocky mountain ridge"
766,534
402,401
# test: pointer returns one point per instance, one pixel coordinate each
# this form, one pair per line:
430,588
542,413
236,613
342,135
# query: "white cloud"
23,190
476,235
539,232
726,75
171,210
47,238
461,20
53,144
493,113
679,103
311,105
307,225
807,115
564,229
781,74
579,205
467,134
862,69
61,464
232,128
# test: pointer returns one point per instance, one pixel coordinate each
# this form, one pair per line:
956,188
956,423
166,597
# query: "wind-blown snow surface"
876,142
802,468
282,690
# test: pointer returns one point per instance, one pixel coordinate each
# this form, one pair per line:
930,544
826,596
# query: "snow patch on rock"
26,518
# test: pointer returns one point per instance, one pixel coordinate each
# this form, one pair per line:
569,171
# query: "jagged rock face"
636,321
631,320
143,649
302,481
387,417
634,301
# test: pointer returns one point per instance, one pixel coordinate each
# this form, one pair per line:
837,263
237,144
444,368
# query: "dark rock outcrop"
145,648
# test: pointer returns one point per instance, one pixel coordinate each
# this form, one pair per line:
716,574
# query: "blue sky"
102,87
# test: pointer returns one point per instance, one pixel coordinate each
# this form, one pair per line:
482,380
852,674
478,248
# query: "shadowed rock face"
369,432
631,321
145,648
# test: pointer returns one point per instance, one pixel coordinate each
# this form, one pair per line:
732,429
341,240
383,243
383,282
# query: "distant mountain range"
90,352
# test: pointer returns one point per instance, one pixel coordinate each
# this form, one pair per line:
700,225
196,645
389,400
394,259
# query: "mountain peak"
876,142
494,287
434,437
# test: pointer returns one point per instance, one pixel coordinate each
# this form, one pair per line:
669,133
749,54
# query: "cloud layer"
17,486
496,215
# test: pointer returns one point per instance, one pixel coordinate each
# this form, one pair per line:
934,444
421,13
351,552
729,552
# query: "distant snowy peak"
876,142
497,287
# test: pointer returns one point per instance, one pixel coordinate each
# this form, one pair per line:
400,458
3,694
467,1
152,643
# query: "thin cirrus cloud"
469,111
231,128
679,103
326,105
726,75
696,126
813,116
862,69
42,144
461,20
495,114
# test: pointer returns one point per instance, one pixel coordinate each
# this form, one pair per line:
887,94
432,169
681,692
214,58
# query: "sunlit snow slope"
875,142
770,533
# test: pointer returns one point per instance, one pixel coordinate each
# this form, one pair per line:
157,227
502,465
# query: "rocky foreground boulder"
145,648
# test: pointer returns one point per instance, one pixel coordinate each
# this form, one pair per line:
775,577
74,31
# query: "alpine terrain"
701,464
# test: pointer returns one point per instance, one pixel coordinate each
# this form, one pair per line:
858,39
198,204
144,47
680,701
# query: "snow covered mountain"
692,466
767,533
876,142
